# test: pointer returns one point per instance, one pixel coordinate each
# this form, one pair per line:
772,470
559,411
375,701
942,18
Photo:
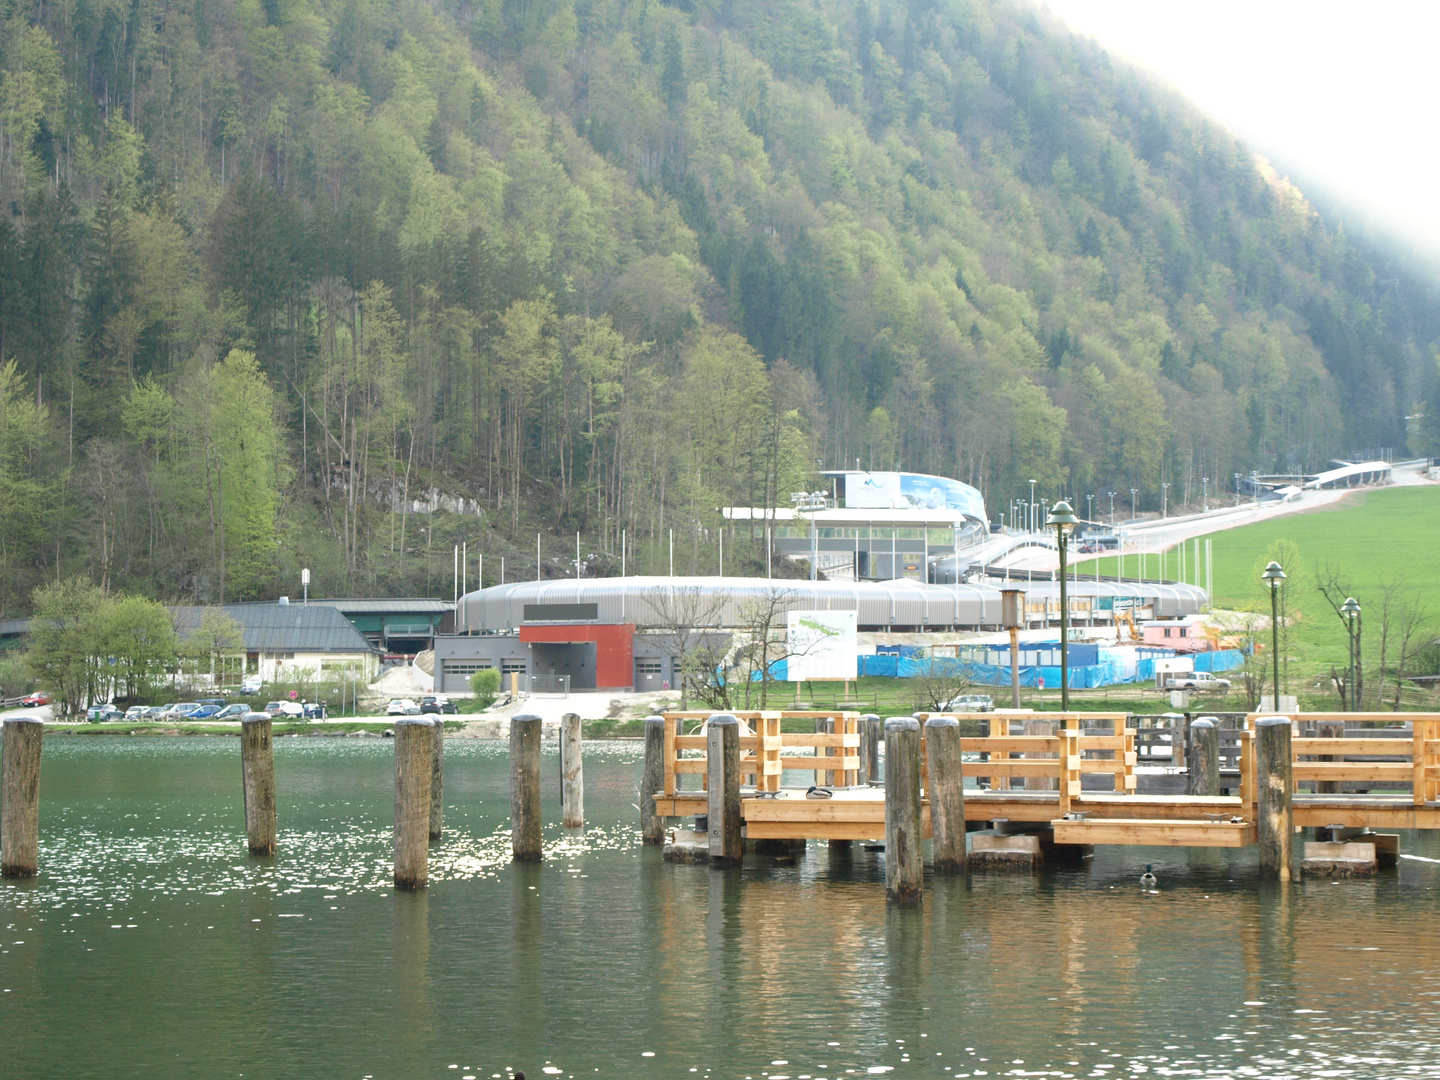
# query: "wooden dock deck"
1038,779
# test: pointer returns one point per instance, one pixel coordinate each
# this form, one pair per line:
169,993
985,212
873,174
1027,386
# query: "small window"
508,667
1167,631
649,667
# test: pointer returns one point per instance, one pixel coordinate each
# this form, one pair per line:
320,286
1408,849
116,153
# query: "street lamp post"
1237,487
1112,507
1351,612
810,502
1031,518
1064,519
1089,507
1132,503
1164,504
1205,494
1273,576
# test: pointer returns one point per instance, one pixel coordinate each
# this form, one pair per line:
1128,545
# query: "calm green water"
153,946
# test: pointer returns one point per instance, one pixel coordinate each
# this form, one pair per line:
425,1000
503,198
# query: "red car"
35,700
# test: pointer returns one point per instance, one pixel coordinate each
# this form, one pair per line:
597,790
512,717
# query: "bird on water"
1147,878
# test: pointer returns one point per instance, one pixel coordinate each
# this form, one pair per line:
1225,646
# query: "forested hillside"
340,283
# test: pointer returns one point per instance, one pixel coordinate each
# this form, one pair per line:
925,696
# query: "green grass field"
1372,539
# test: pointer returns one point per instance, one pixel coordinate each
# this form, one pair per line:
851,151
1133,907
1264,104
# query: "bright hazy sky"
1339,96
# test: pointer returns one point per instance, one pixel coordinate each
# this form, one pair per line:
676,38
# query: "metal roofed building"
282,639
404,625
594,630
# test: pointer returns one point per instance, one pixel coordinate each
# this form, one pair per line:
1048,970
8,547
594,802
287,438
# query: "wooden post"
1329,729
947,793
824,725
572,773
437,779
1041,728
257,775
904,873
722,751
869,749
414,763
1274,785
20,797
1203,775
652,825
525,788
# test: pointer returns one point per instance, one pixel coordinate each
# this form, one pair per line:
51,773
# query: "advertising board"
821,645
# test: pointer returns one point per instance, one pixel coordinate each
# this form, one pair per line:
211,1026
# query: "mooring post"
722,772
572,773
437,780
525,788
869,749
1329,729
257,774
904,873
1203,775
652,825
414,764
1273,786
947,793
20,797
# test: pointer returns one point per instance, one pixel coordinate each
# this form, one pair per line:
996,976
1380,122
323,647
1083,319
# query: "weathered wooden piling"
1329,729
1273,785
257,774
904,873
1203,775
652,825
20,797
525,788
572,773
722,751
414,764
1040,729
437,780
947,793
869,749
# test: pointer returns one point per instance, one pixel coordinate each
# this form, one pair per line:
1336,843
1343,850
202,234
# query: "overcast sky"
1339,96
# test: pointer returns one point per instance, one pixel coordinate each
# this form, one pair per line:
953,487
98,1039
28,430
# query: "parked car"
218,702
402,706
285,709
34,701
315,710
99,713
251,684
436,704
155,712
180,710
136,712
970,703
232,712
1197,680
204,712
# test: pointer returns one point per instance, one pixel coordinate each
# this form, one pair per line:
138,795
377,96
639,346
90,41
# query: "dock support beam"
1203,777
869,749
1273,785
414,762
722,750
572,773
525,788
652,825
1329,729
904,872
437,779
257,780
947,793
20,797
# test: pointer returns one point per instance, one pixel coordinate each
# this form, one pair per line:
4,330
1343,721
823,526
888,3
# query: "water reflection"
140,943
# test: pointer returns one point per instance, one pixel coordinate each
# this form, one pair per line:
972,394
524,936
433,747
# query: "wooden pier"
1375,776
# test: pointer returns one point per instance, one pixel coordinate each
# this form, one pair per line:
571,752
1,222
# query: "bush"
486,685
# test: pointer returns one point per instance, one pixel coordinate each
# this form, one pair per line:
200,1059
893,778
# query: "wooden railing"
1361,755
834,756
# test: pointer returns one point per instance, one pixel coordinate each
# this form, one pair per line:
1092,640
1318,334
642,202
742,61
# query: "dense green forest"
342,283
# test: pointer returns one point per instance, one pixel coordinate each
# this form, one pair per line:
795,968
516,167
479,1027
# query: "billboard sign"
821,645
875,491
911,491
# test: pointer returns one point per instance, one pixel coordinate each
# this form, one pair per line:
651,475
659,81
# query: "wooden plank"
1014,744
1371,747
820,739
670,755
1011,768
1401,814
1395,771
1149,832
689,766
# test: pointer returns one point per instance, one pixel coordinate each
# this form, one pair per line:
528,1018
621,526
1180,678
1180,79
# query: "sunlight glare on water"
153,945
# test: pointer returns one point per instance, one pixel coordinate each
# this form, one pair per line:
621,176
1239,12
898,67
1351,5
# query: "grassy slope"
1372,538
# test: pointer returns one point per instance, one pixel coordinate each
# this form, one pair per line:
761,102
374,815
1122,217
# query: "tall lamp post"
1273,576
1132,503
1205,493
1062,516
1089,507
1351,611
1164,494
1112,507
811,502
1031,518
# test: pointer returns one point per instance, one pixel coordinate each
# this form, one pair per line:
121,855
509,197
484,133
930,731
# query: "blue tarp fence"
1082,677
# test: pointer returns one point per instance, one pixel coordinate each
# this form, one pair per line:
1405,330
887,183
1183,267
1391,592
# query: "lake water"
152,945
